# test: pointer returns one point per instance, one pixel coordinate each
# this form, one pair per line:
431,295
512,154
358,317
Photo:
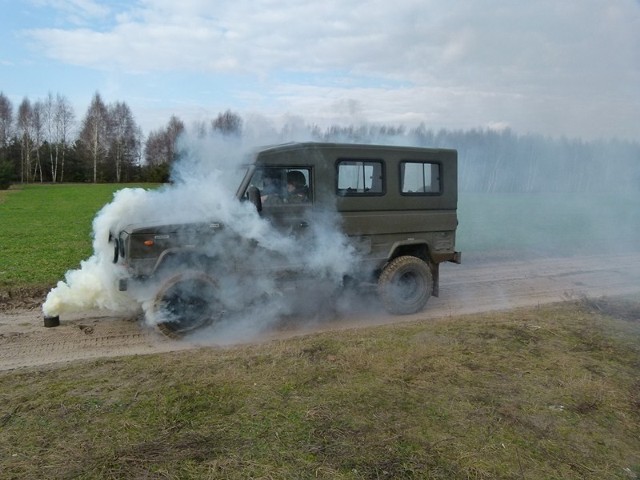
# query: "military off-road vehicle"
396,205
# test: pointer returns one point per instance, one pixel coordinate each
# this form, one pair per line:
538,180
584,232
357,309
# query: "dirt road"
471,287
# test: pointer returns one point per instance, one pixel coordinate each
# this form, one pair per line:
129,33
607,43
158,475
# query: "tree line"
502,161
43,141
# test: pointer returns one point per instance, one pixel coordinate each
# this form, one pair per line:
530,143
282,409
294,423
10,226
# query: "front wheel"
405,285
184,303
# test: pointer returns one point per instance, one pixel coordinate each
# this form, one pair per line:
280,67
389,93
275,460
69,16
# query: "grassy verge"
552,392
46,230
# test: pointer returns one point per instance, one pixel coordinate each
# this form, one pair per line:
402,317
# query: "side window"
283,185
419,178
360,177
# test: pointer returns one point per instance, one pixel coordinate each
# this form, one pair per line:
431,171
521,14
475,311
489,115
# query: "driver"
297,190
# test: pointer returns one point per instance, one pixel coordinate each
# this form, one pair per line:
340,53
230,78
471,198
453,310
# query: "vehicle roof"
292,146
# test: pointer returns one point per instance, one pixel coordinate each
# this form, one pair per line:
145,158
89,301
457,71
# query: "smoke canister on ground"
52,321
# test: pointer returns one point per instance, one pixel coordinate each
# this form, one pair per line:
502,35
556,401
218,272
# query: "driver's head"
296,179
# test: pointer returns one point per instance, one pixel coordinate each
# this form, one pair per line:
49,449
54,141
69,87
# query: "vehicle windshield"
242,179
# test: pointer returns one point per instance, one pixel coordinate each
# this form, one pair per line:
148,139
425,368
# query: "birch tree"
160,147
175,128
227,123
37,120
6,121
57,117
94,133
24,123
64,118
49,121
155,148
124,137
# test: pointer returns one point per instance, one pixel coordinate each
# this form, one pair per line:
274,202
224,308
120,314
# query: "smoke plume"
248,251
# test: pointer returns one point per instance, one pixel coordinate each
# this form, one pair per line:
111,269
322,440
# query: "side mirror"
254,197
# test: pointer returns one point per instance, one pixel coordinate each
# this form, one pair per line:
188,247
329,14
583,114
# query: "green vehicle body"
396,205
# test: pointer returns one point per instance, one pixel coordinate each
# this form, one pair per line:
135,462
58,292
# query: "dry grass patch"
552,392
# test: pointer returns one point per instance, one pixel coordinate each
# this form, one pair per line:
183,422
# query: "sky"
551,67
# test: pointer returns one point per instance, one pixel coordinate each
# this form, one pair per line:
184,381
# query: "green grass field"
45,230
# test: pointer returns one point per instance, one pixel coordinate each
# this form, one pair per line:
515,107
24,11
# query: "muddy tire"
405,285
184,303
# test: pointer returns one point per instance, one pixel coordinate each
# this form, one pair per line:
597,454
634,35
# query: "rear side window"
420,178
360,177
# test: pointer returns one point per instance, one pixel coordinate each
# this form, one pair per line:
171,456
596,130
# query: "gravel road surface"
471,287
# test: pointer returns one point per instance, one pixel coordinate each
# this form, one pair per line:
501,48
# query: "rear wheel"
405,285
184,303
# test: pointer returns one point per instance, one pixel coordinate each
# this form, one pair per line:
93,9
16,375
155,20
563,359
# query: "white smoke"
93,285
203,188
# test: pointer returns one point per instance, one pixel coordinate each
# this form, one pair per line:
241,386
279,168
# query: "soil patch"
30,297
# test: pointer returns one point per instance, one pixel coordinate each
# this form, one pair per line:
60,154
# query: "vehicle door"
286,195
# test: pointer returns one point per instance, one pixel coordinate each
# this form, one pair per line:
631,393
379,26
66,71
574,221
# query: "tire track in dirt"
468,288
24,341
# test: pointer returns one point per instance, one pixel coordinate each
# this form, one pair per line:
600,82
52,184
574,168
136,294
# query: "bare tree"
6,120
199,127
64,118
124,137
25,124
160,147
227,123
94,132
154,150
49,123
175,128
57,116
38,136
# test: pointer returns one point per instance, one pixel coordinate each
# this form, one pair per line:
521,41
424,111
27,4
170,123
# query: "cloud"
75,11
406,39
574,56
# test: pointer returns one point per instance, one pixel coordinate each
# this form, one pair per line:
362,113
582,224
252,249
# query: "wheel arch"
415,248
